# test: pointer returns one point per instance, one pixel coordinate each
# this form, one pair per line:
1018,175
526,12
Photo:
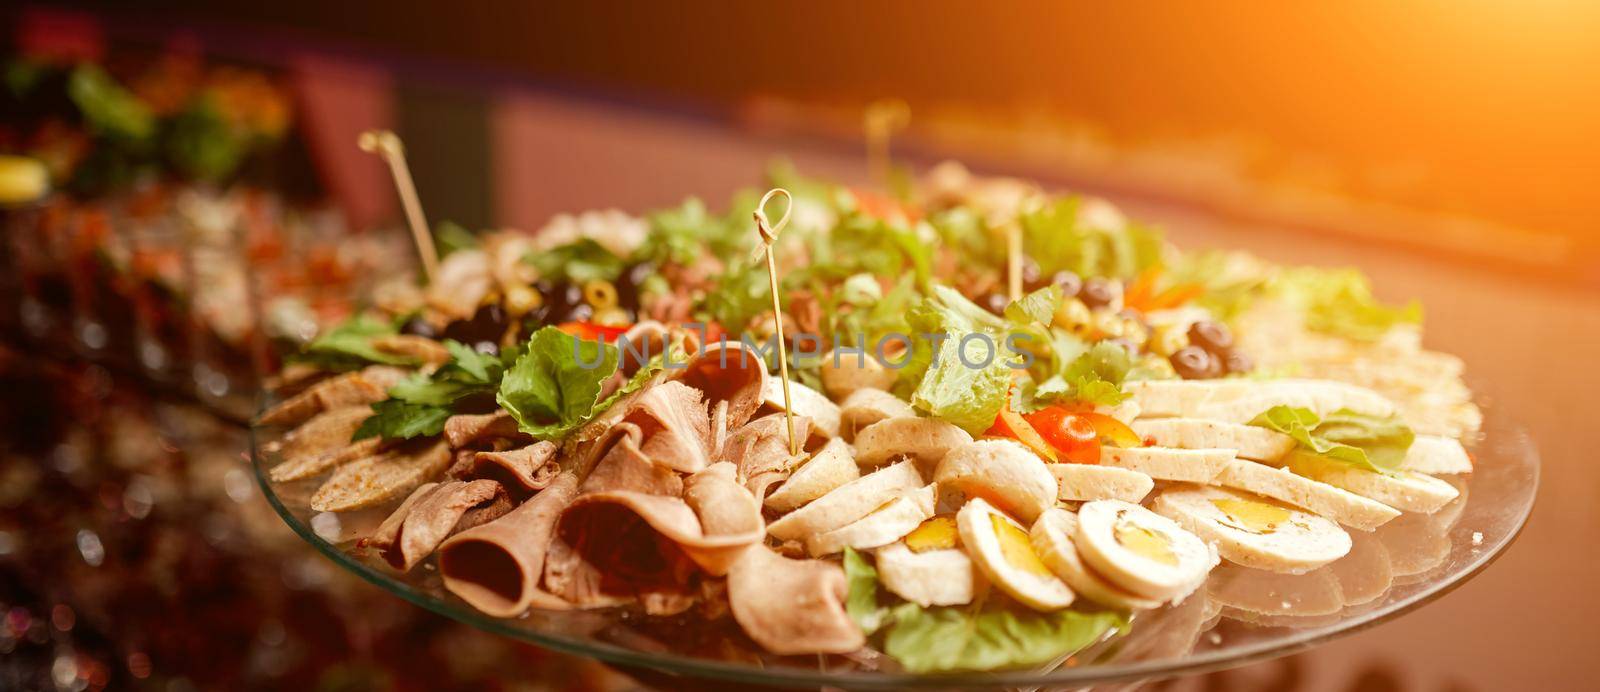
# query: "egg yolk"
1248,515
938,533
1016,548
1146,543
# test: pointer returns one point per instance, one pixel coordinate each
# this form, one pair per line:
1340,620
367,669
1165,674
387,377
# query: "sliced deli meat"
848,502
522,471
1088,482
378,479
924,440
1003,472
1280,484
832,466
1436,455
808,402
350,389
931,577
1248,441
1168,464
792,607
867,406
428,517
1402,490
1240,401
496,567
883,526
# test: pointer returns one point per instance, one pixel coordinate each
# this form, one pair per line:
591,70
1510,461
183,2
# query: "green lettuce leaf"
451,237
348,346
420,403
998,635
548,391
394,419
577,262
995,635
1089,374
946,386
1363,441
108,108
1036,307
1340,302
1058,238
861,602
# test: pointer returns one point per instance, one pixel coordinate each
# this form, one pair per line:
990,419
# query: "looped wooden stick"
386,144
769,232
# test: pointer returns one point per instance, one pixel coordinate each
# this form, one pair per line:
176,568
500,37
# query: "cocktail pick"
1014,260
769,233
881,120
387,145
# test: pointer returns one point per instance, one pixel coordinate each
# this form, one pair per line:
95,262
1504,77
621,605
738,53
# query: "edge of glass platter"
1240,616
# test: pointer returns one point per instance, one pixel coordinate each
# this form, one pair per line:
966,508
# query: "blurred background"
1451,150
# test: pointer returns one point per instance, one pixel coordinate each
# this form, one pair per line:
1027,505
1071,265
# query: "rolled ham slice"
464,430
428,517
521,471
760,450
675,426
626,467
730,372
792,607
496,567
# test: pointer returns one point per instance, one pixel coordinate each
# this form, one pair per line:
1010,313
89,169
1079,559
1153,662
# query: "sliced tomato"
589,331
1175,296
1112,431
1070,433
1010,424
884,207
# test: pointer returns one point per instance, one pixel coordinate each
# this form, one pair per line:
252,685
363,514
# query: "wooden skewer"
881,119
769,233
387,144
1014,260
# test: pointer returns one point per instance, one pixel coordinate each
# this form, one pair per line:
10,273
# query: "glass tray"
1241,615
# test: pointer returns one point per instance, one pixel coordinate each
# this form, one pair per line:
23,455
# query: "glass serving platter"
1240,616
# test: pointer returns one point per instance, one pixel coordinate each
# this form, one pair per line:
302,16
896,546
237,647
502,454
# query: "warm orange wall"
1486,106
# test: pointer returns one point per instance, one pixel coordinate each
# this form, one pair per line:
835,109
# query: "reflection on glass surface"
1241,615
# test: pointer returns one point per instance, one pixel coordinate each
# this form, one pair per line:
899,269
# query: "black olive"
416,326
1211,336
1195,363
1097,293
628,284
1236,362
487,324
563,296
582,312
1124,343
1031,275
994,302
1069,282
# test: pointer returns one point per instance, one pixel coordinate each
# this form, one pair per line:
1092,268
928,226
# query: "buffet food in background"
133,541
161,215
1148,428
